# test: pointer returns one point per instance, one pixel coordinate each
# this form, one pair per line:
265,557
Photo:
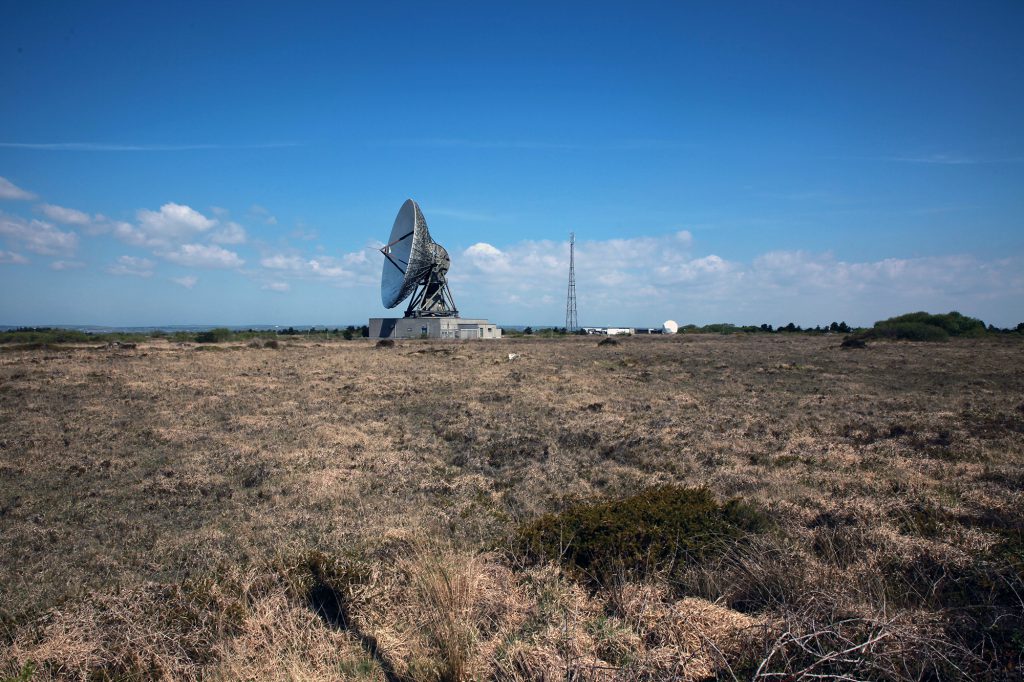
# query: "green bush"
214,335
41,336
909,331
953,323
663,528
922,326
45,335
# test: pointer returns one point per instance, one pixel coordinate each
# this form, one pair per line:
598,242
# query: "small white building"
609,330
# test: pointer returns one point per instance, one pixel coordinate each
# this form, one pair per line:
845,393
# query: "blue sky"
179,163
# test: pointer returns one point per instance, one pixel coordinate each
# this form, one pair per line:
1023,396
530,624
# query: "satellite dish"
415,264
669,327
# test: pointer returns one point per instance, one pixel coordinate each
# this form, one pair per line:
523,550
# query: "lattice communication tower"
571,325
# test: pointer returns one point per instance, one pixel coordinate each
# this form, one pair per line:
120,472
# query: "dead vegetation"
327,511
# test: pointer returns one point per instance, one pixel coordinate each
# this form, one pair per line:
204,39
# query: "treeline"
52,335
542,332
726,328
919,326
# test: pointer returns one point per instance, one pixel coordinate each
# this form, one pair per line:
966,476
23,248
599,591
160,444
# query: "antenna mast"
571,326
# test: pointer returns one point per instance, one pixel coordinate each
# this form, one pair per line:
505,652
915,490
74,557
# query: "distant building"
611,331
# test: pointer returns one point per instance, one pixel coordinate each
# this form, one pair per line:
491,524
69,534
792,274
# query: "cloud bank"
637,281
644,280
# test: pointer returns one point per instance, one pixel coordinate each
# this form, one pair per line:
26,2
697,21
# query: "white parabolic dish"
406,251
669,327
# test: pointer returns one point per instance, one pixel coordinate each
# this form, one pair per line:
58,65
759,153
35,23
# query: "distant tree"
214,335
1020,327
364,331
767,328
790,328
528,331
347,334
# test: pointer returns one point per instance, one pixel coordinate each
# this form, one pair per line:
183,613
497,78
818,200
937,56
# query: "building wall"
432,328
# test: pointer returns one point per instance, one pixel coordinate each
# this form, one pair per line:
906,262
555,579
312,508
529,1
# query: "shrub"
853,342
909,331
44,335
953,323
214,335
659,528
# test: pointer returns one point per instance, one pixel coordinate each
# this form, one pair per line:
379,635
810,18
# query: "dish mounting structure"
415,264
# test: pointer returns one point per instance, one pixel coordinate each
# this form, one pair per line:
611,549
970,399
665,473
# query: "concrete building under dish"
432,328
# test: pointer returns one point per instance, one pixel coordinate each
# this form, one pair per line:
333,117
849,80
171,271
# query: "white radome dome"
670,327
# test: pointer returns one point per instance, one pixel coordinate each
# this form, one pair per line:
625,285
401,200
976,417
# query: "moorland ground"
341,511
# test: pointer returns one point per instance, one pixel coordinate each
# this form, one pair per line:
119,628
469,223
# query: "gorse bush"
952,323
922,326
909,331
214,335
658,529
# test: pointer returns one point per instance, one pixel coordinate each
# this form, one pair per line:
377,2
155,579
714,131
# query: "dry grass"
170,511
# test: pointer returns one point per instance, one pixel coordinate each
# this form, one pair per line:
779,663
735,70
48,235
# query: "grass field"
340,511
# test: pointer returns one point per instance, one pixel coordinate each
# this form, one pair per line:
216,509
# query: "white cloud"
321,266
66,265
188,281
132,266
350,269
172,224
263,215
11,258
646,279
301,233
523,273
282,262
325,267
8,190
67,216
230,233
203,256
276,286
38,236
